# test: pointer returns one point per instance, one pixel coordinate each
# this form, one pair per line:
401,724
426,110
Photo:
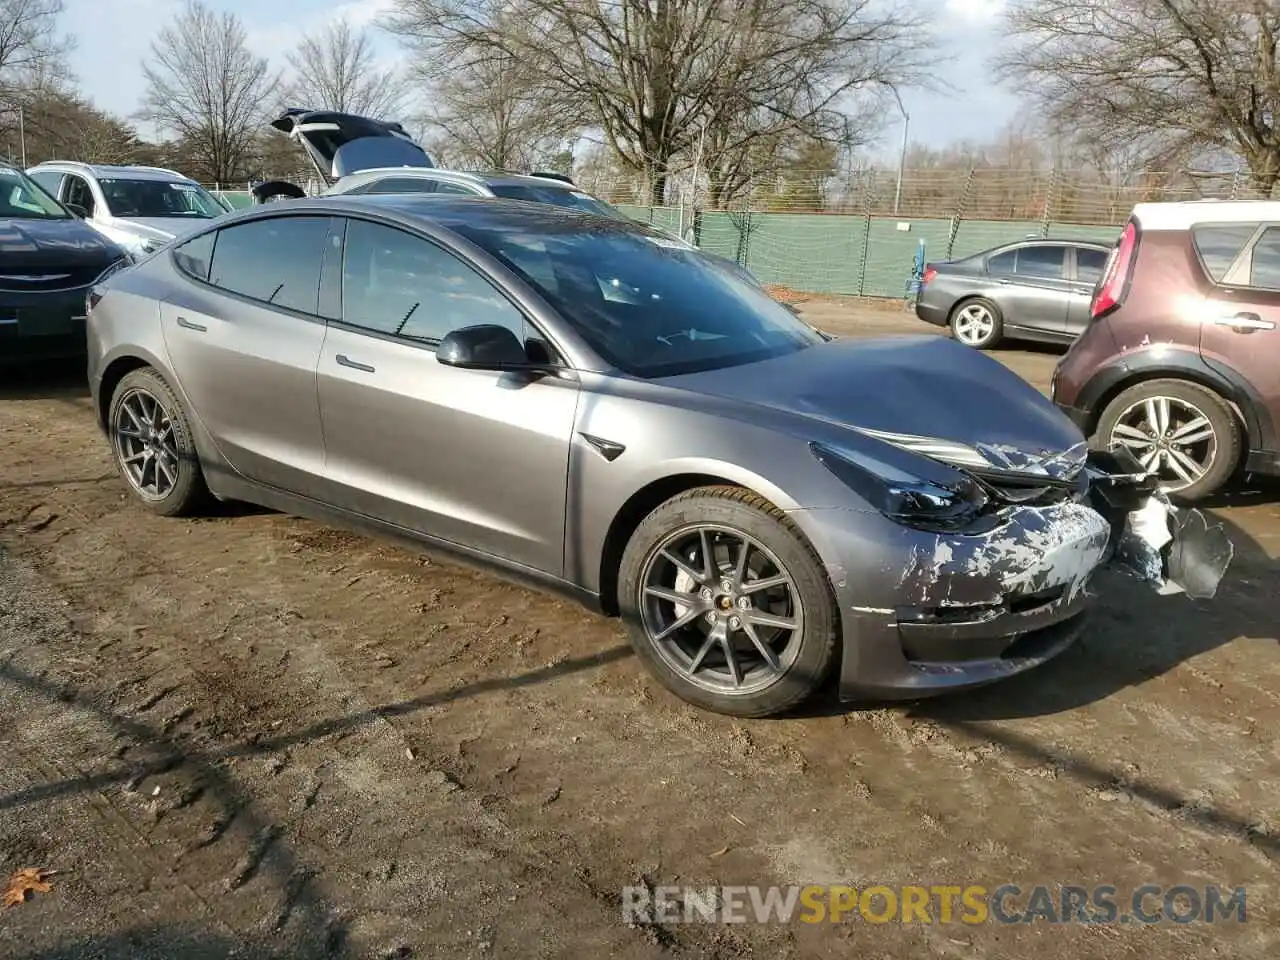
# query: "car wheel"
1184,432
727,604
977,323
273,191
152,445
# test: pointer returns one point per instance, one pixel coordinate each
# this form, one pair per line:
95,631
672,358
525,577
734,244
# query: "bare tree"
1167,77
337,69
30,41
653,74
492,113
207,88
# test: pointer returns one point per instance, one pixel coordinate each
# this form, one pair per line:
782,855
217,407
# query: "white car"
140,208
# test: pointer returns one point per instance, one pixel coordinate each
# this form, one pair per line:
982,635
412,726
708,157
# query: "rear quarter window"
1218,245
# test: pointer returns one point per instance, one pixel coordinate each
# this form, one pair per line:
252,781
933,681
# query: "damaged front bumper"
967,609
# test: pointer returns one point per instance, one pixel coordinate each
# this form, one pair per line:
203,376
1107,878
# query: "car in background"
1032,289
49,260
359,156
1181,362
582,404
140,208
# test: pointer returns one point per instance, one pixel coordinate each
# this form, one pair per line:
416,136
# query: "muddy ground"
249,735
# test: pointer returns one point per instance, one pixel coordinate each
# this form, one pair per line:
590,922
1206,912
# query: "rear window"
1220,244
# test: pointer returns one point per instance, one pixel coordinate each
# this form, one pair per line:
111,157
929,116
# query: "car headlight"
126,261
925,503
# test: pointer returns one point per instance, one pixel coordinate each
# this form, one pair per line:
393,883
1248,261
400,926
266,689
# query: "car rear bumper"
931,313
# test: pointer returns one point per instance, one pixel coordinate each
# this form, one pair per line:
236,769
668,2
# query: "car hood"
917,386
34,247
343,143
159,228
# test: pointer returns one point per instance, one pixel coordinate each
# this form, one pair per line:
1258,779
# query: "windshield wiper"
400,329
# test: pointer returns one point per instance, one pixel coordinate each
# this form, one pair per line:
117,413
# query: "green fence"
834,253
237,198
842,254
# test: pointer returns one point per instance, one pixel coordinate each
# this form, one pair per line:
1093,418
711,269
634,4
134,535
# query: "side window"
1003,263
1220,244
195,256
1090,264
1265,269
394,282
277,260
402,185
1046,263
454,189
51,180
78,192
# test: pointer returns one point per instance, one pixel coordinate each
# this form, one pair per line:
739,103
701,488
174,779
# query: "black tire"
274,190
809,650
1224,449
187,493
992,312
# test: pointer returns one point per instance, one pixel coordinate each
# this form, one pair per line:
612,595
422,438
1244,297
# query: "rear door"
1240,330
1089,264
1032,288
244,335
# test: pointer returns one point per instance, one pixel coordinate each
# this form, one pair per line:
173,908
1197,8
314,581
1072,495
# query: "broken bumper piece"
969,609
1175,550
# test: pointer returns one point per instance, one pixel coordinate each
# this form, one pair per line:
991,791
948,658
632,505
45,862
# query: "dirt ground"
248,735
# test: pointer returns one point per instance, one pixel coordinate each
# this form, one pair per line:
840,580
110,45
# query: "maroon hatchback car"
1181,360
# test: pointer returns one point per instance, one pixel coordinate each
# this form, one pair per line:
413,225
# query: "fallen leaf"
721,852
32,879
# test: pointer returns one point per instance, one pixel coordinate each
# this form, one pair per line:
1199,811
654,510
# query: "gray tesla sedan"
582,403
1032,289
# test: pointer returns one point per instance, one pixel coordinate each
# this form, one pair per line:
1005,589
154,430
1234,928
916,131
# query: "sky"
114,36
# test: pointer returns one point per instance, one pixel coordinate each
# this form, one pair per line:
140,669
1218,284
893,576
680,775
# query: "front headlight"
927,504
126,261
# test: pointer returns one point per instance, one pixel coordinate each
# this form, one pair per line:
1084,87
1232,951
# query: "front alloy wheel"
721,610
727,603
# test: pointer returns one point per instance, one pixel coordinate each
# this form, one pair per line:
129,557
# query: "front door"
245,344
476,458
1034,287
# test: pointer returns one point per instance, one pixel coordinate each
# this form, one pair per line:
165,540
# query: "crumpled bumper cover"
969,609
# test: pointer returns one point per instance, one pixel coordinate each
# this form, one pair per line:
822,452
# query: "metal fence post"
866,230
954,229
1046,211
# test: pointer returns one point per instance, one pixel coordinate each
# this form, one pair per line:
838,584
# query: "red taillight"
929,274
1110,293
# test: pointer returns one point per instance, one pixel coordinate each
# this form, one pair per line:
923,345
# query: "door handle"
1004,281
1245,322
345,361
189,325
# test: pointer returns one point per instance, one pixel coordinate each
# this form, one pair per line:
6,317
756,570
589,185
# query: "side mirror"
77,211
486,346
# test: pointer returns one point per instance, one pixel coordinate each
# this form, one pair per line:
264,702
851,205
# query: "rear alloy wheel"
1184,433
727,603
977,324
152,445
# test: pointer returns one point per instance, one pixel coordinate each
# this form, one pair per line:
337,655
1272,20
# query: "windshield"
159,198
648,306
23,198
557,196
